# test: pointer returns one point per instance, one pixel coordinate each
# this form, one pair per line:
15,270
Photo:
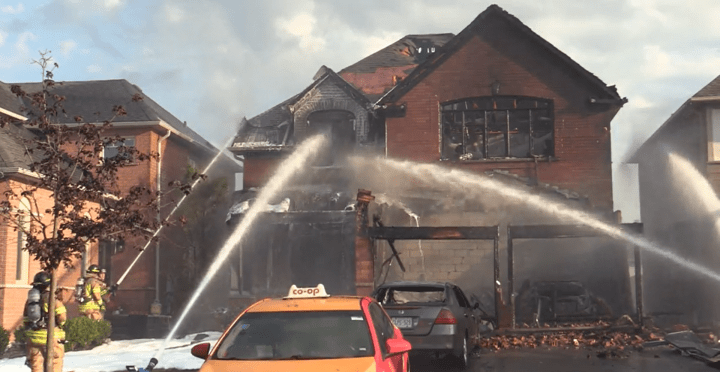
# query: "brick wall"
257,170
582,136
13,292
137,291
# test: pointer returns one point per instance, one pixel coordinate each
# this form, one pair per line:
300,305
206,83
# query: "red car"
309,330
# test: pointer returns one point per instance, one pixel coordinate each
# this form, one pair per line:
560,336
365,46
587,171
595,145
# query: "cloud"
67,47
9,9
93,69
3,36
21,46
113,4
174,13
301,27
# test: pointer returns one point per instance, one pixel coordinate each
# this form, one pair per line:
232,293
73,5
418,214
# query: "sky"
211,62
115,355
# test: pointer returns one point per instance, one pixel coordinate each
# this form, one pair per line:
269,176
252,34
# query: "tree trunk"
50,345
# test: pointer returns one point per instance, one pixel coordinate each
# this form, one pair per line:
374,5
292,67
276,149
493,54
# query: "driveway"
657,359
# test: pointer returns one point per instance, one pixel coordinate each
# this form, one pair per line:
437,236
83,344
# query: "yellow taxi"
309,330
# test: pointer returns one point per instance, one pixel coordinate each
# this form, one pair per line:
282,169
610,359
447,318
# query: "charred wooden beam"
434,233
391,243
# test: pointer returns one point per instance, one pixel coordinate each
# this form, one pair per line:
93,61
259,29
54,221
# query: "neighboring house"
495,99
151,129
678,211
17,268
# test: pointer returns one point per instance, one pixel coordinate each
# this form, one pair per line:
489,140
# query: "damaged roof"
452,46
377,73
542,187
10,104
93,101
270,130
265,132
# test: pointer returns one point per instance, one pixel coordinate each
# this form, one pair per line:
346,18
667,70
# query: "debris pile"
606,340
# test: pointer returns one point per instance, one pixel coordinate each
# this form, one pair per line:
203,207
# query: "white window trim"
713,134
22,262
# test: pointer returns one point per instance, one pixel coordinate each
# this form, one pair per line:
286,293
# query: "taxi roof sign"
307,292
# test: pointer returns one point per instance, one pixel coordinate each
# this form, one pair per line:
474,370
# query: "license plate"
402,322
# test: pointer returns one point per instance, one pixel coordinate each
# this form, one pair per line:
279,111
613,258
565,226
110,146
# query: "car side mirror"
476,306
201,350
397,345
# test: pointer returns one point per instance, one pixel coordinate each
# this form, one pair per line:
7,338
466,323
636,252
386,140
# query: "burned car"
435,317
548,301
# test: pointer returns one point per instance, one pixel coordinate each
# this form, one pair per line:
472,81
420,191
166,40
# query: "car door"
467,312
384,330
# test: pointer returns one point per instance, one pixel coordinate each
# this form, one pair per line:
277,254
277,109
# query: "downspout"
156,307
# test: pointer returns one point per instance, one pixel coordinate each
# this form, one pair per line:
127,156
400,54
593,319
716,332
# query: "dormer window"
497,127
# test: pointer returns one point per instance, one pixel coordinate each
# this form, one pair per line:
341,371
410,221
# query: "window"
384,328
414,295
714,136
297,335
23,257
462,300
114,149
497,127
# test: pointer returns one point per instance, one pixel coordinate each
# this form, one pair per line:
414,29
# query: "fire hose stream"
160,228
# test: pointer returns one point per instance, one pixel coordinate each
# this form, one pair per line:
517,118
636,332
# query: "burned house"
495,100
678,178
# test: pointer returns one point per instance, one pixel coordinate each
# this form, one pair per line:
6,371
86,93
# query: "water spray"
701,188
159,229
287,169
385,199
459,180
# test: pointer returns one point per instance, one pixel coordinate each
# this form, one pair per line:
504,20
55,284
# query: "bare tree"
87,203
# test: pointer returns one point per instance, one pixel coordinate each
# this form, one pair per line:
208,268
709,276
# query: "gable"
506,35
331,93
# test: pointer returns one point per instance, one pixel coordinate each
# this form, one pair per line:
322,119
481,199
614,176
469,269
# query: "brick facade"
582,133
13,291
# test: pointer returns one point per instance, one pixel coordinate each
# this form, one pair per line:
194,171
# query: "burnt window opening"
340,127
497,127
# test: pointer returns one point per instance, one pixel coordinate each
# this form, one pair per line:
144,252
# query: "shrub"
4,339
20,336
84,333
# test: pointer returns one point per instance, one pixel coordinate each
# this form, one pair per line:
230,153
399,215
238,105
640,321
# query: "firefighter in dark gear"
93,305
37,335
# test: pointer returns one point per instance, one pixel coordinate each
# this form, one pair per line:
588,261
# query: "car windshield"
399,296
297,335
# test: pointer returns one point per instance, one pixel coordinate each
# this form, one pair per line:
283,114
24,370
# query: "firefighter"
37,330
93,305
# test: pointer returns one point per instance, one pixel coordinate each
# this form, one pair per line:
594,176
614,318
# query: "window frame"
22,269
480,109
117,144
384,322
